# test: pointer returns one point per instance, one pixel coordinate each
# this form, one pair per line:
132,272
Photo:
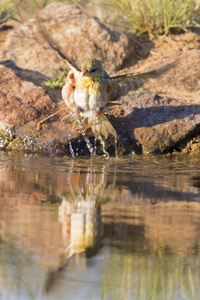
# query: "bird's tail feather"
102,127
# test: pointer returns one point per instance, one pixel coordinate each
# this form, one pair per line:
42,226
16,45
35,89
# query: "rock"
154,124
20,101
78,36
184,77
22,105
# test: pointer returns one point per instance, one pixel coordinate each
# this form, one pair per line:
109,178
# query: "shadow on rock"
32,76
152,116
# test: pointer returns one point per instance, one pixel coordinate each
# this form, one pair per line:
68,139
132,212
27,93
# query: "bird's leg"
79,110
97,112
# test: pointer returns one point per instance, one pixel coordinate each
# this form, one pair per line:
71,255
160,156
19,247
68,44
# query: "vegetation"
158,16
20,10
55,82
153,16
151,276
8,9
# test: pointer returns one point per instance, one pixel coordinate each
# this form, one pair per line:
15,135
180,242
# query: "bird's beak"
85,72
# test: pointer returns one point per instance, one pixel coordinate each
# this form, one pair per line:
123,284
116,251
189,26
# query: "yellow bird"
100,126
95,88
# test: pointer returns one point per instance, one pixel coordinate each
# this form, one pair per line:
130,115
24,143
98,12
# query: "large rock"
77,35
22,105
20,101
156,124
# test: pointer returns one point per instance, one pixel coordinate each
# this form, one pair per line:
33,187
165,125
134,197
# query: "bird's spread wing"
155,73
120,85
55,47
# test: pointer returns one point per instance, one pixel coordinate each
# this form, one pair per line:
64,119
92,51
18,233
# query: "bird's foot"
97,112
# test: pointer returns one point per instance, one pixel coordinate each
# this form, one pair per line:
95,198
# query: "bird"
95,88
102,126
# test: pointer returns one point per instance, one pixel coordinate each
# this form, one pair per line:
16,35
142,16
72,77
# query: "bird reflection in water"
79,215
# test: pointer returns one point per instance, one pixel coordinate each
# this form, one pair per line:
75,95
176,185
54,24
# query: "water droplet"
116,148
70,146
95,146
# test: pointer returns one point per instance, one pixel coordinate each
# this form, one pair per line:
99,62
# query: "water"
71,150
99,228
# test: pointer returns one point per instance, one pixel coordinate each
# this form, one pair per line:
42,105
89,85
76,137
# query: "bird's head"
92,68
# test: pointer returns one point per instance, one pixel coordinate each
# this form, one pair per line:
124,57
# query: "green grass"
158,16
55,82
154,16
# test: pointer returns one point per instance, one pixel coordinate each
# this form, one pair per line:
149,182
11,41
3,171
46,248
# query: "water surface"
99,228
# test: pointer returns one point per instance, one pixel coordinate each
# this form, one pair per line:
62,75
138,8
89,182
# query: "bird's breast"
90,85
81,99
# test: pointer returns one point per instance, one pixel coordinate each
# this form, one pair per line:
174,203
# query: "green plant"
8,9
158,16
55,82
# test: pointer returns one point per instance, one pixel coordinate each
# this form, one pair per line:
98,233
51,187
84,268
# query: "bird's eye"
93,70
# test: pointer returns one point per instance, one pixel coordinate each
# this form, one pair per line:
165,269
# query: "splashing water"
70,146
106,154
101,130
116,155
95,146
86,139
